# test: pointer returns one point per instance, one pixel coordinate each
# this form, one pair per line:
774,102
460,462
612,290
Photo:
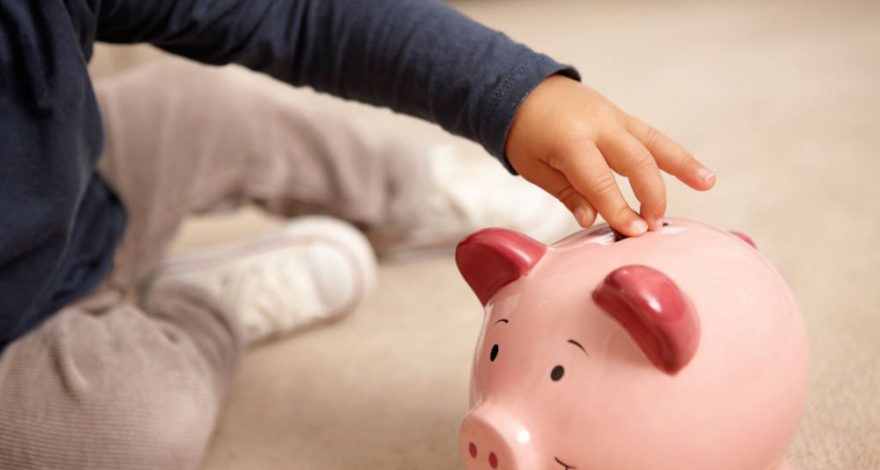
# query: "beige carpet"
780,98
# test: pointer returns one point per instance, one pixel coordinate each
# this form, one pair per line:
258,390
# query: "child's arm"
418,57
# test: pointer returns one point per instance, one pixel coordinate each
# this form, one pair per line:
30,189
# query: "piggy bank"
679,349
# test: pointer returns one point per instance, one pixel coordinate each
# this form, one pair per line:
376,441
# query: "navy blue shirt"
60,223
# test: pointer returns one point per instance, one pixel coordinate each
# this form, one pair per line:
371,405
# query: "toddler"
91,378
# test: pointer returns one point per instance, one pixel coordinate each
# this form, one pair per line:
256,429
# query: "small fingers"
590,176
628,157
672,157
556,184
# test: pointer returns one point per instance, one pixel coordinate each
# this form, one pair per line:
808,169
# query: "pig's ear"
494,257
744,238
660,318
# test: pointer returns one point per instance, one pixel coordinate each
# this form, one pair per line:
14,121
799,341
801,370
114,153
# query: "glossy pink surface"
696,359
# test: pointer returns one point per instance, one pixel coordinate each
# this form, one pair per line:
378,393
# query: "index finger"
672,157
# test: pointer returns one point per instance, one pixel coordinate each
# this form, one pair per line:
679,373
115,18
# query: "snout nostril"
472,449
493,460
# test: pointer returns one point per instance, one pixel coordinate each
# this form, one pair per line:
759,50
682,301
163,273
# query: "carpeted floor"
780,98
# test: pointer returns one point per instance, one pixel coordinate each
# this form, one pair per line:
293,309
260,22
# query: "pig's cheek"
486,374
495,378
482,369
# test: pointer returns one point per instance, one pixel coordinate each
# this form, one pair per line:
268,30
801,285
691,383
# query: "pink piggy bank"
679,349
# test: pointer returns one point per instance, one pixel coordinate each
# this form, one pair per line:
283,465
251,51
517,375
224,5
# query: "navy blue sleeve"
49,141
418,57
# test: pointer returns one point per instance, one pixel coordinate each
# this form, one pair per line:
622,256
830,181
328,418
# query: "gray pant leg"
210,138
117,389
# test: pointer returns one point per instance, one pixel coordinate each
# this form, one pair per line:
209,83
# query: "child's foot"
314,268
472,192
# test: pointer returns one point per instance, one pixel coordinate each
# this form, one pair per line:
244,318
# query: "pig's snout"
492,439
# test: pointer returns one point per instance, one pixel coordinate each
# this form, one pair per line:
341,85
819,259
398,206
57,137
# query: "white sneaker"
314,268
472,192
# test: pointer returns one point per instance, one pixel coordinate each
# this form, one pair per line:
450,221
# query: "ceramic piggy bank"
679,349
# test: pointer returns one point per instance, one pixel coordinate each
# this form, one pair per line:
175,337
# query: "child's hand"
566,138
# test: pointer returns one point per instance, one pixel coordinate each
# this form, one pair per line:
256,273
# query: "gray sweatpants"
107,383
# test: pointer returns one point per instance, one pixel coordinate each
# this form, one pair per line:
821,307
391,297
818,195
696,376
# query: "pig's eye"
493,353
557,373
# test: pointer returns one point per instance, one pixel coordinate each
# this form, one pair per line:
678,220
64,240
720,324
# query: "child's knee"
127,430
167,430
71,400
